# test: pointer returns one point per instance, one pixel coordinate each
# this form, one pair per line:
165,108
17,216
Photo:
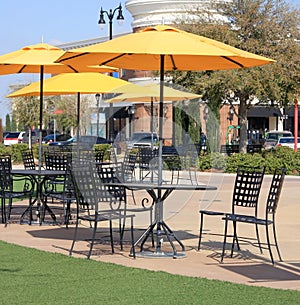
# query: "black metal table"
39,176
159,193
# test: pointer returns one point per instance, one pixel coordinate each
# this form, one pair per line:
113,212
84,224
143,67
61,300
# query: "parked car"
34,136
13,138
50,138
287,141
272,138
142,138
62,139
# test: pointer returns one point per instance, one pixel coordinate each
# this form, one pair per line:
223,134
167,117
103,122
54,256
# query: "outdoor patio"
247,266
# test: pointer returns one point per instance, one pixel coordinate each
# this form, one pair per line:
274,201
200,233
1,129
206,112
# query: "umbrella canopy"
76,83
29,59
151,93
72,83
182,50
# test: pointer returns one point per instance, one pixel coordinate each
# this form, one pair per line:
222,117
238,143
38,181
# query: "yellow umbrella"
164,48
76,83
150,93
181,50
72,83
39,58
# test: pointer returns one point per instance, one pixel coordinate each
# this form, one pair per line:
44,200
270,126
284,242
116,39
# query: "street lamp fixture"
120,18
110,15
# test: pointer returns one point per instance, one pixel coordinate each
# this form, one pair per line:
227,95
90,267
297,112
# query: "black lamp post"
110,15
97,96
131,112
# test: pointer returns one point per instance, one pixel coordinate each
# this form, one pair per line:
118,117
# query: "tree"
265,27
7,123
26,111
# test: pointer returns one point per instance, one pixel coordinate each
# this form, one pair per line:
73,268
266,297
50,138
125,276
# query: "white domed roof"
153,12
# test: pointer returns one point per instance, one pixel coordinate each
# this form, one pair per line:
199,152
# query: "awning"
264,112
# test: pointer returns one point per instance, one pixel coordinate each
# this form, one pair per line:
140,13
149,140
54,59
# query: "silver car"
142,139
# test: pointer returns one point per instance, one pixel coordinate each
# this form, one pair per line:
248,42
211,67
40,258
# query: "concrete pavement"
181,208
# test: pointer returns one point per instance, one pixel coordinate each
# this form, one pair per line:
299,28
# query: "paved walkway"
181,213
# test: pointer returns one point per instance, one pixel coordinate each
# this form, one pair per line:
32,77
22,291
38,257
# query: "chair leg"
235,239
111,237
269,244
224,242
74,237
3,214
258,239
200,230
275,240
132,251
93,239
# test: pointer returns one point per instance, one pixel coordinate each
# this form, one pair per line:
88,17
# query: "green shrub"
252,160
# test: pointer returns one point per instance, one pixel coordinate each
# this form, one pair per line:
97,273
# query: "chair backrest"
147,156
128,165
247,187
99,156
275,190
28,159
91,192
57,161
5,177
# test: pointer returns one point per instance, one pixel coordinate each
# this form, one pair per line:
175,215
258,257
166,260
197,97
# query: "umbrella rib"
72,68
73,56
173,62
235,62
21,70
114,58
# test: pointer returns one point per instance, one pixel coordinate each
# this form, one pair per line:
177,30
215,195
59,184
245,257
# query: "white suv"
272,138
13,138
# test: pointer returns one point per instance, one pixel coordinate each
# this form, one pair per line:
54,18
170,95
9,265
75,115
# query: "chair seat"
104,216
246,219
212,213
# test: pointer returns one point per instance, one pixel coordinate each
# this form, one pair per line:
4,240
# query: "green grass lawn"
30,276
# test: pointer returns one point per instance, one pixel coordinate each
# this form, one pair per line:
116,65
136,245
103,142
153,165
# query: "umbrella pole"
160,128
78,115
41,114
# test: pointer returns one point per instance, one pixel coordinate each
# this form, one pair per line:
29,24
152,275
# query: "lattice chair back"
247,187
275,191
5,177
57,161
91,192
128,165
28,159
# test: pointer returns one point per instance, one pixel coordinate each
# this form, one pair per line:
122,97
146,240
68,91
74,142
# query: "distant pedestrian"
203,143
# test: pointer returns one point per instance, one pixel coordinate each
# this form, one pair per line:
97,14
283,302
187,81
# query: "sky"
54,22
50,21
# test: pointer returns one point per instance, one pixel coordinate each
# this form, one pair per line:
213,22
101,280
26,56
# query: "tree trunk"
243,122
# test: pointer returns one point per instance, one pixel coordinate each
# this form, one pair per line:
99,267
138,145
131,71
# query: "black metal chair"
148,162
246,193
98,202
8,189
125,173
59,188
270,211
